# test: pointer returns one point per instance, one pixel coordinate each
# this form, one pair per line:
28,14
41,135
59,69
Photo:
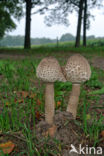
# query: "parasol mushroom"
77,71
49,71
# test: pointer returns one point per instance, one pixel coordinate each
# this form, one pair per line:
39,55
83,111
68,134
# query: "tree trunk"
84,23
27,41
77,43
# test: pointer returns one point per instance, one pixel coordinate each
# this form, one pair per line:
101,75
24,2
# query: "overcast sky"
39,29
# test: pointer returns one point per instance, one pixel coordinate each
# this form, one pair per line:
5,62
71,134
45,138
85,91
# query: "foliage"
67,37
9,9
19,41
59,12
41,5
94,83
100,91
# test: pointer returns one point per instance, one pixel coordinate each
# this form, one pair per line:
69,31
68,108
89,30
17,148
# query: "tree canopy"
9,9
67,37
59,11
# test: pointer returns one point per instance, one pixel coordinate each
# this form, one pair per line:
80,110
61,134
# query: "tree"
59,13
9,9
89,5
67,37
13,8
84,23
29,5
28,23
77,43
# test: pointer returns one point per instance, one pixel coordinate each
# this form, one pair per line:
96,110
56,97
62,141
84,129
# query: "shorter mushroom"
77,71
49,71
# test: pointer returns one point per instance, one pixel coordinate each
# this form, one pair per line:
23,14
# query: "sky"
39,29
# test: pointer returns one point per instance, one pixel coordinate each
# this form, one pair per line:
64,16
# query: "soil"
98,62
68,132
12,56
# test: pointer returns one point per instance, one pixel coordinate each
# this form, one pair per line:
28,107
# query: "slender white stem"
49,103
73,100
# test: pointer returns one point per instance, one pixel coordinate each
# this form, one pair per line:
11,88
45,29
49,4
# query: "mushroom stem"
49,103
73,100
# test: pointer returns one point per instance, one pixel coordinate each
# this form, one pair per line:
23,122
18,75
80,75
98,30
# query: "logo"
86,150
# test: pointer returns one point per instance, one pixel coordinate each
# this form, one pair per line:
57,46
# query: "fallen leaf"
32,95
7,103
37,115
58,103
38,102
20,100
24,94
7,147
102,133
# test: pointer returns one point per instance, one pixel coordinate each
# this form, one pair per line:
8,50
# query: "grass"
22,97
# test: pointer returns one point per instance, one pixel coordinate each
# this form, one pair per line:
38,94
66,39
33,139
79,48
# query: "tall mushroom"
49,71
77,70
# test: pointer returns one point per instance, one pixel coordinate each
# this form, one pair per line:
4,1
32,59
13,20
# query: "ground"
22,105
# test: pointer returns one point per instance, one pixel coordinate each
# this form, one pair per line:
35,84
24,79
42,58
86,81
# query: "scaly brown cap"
77,69
49,70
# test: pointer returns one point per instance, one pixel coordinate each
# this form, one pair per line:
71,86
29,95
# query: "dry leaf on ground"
7,147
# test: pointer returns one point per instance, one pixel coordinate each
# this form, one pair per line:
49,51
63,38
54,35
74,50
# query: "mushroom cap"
77,69
49,70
